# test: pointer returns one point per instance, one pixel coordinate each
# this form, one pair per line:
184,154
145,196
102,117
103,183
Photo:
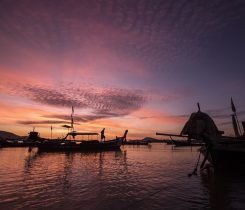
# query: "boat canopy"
81,134
201,125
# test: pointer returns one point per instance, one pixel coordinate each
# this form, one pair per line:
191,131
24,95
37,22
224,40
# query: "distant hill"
8,135
150,139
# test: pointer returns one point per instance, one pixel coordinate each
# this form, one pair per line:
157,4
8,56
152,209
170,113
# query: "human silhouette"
103,135
125,136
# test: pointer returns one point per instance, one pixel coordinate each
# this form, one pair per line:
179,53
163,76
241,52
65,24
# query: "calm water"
137,177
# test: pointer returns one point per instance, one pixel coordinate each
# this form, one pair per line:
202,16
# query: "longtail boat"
72,144
225,153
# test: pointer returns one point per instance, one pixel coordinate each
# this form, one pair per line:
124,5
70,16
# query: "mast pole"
72,120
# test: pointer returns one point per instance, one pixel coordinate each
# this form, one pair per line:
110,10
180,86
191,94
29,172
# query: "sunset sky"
140,65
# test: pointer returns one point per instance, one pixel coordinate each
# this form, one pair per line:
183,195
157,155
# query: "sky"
139,65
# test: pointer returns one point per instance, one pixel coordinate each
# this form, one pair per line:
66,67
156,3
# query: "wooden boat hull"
227,157
67,145
6,143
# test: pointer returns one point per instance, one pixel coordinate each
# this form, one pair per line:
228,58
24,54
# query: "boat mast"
72,121
51,129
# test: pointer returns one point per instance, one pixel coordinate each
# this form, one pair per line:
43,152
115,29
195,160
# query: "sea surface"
137,177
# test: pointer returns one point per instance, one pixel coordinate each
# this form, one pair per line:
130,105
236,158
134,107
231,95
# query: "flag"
233,106
235,127
198,106
66,126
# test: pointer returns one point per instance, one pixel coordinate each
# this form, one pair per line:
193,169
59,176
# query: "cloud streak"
124,47
152,31
84,118
41,122
101,102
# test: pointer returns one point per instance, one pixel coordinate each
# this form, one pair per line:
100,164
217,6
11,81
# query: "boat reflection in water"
224,190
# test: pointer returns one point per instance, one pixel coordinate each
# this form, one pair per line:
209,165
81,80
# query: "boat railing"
74,134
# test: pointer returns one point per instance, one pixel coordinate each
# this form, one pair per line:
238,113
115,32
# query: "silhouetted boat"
69,143
228,155
30,141
80,144
223,152
15,143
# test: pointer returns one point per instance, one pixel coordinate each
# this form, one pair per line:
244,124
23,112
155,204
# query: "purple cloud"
102,102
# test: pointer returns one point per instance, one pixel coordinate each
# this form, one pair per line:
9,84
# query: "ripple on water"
136,178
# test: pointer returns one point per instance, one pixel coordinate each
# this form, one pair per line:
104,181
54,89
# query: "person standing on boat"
103,135
125,136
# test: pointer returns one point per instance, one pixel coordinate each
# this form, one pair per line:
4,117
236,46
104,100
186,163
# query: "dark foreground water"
137,177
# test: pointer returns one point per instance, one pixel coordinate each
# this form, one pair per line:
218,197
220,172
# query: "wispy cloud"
41,122
103,102
133,44
152,31
83,118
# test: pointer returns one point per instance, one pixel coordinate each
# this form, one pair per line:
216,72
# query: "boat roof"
81,133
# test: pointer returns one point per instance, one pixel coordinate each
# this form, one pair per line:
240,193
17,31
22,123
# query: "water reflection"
29,159
134,178
65,163
225,191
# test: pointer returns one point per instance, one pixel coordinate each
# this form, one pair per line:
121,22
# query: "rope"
195,169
